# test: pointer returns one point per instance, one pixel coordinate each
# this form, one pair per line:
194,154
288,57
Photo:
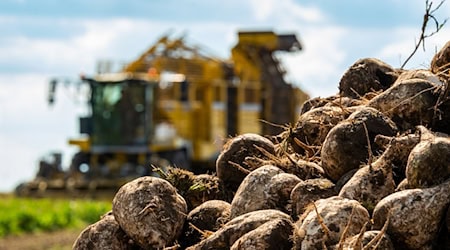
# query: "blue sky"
46,38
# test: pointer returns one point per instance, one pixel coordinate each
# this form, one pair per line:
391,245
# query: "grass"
25,215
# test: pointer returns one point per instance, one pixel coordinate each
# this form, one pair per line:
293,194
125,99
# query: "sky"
41,39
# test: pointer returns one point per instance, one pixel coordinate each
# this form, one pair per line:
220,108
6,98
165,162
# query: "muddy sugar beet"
366,168
150,211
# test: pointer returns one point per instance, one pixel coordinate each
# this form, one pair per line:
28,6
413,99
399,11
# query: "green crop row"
22,215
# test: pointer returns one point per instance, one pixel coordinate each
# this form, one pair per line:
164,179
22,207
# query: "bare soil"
58,240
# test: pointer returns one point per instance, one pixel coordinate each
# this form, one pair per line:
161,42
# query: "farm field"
29,223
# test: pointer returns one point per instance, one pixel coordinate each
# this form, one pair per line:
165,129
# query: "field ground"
58,240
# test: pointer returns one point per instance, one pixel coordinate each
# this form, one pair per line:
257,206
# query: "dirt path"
59,240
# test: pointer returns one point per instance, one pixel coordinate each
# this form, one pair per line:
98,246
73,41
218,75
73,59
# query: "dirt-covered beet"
291,164
374,240
253,193
150,211
226,236
366,75
440,65
414,216
195,189
419,74
279,191
428,162
403,185
446,230
306,170
316,102
441,119
374,181
104,234
346,146
443,241
308,191
344,179
324,227
345,102
313,126
397,150
408,103
204,220
207,187
272,235
369,185
210,215
230,165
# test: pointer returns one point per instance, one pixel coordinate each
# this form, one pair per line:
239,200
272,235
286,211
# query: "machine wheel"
22,190
77,160
180,159
177,158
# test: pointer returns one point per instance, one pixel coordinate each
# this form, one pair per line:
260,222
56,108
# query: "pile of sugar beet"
367,168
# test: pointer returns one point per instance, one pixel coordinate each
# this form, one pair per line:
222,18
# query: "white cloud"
275,10
403,43
329,50
111,39
262,9
319,66
308,14
29,128
99,39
